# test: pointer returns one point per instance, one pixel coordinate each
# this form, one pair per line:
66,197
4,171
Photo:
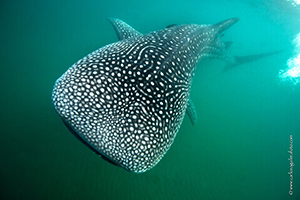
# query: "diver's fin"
191,112
123,30
240,60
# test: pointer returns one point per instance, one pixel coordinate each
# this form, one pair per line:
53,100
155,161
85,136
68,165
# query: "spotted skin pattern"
125,31
127,100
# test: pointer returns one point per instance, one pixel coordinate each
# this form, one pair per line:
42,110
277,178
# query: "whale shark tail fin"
224,25
240,60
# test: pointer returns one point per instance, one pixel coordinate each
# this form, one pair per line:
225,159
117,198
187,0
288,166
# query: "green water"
238,148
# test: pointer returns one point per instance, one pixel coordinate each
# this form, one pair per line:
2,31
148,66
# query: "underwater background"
248,117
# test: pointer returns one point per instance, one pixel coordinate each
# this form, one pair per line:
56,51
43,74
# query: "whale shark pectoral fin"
123,30
191,112
240,60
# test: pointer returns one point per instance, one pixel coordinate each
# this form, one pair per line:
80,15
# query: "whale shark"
126,101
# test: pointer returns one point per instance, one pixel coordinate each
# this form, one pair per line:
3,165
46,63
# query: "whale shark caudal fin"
224,25
240,60
233,61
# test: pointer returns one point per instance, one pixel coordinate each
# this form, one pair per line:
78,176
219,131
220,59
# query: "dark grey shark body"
125,31
127,100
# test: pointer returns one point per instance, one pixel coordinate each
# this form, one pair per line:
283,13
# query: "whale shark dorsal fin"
123,30
171,25
191,112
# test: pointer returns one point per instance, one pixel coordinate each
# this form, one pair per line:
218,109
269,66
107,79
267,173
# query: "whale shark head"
127,100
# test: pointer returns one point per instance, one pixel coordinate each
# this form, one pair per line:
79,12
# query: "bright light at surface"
292,73
295,2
